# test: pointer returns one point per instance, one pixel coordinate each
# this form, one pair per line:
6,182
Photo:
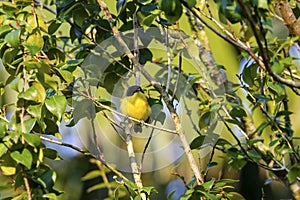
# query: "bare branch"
289,18
84,153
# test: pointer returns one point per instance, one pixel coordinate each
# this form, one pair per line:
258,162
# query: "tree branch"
159,88
84,153
289,18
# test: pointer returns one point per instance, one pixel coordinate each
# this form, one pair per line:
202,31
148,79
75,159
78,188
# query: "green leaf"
138,197
277,67
67,76
50,153
251,142
209,184
34,93
2,88
210,196
149,190
50,196
35,111
172,9
97,187
31,65
3,149
29,124
47,80
24,158
4,29
170,195
10,55
34,43
3,128
237,112
56,54
236,196
254,155
13,38
261,98
197,142
72,64
91,175
56,105
147,20
9,9
54,26
32,139
47,180
294,173
190,3
130,185
237,164
277,88
249,74
144,2
205,119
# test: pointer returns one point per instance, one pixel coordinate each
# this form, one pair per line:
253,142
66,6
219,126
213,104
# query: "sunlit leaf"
50,196
25,157
91,175
277,67
8,170
13,38
4,29
67,76
35,21
3,128
34,43
3,149
209,184
34,93
28,125
56,105
35,110
32,139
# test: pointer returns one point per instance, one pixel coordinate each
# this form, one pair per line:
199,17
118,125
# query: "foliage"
46,47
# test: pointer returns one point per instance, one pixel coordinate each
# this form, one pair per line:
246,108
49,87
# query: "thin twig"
26,182
84,153
165,31
146,146
178,76
136,48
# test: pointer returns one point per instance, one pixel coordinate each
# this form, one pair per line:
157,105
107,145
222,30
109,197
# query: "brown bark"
289,18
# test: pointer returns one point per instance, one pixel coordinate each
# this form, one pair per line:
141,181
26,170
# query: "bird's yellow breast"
136,106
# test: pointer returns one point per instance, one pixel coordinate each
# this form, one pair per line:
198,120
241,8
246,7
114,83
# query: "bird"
135,104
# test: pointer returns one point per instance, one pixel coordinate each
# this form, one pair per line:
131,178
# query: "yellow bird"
135,104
